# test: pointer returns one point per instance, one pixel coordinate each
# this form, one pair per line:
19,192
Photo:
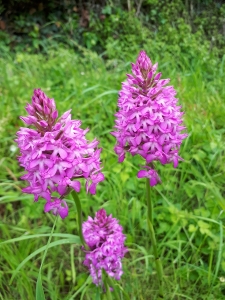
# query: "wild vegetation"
82,68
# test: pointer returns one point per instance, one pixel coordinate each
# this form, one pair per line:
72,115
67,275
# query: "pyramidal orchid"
55,154
149,121
105,239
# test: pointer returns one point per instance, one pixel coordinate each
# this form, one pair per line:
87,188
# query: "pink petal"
70,172
52,171
61,189
43,123
163,159
62,153
157,76
121,158
142,173
162,139
153,181
47,207
49,162
150,158
98,178
54,114
65,115
175,161
92,189
46,196
138,140
63,212
147,146
75,185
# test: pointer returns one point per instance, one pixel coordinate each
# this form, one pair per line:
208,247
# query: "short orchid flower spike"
105,240
55,154
149,121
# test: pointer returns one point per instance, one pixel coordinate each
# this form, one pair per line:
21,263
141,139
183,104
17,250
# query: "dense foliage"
114,29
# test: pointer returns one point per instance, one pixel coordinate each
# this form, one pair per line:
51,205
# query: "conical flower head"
42,111
149,121
55,154
105,239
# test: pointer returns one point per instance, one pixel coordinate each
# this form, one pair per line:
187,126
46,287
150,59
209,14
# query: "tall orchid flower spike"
55,154
105,240
149,121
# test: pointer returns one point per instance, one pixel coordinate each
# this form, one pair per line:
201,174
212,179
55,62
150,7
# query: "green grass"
189,204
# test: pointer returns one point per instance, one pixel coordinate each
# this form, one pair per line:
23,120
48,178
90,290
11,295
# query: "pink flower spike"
105,239
55,153
149,121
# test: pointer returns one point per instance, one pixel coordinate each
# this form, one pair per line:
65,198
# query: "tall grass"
189,204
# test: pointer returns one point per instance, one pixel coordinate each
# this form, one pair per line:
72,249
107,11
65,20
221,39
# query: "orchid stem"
159,269
79,216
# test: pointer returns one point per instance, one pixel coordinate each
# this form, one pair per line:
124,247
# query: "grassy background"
189,204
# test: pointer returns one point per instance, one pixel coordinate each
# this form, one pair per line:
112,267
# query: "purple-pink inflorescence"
149,121
105,239
55,154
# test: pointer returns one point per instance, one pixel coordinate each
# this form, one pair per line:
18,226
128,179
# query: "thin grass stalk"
39,287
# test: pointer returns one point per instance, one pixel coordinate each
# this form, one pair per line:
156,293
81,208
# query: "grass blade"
39,289
40,295
52,244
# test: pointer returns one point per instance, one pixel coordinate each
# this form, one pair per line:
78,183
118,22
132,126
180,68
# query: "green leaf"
53,244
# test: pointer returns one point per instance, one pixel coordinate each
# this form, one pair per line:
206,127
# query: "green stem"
79,215
159,269
149,202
